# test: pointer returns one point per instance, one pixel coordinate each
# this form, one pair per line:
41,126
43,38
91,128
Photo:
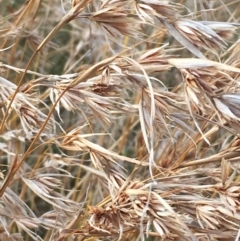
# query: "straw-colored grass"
120,120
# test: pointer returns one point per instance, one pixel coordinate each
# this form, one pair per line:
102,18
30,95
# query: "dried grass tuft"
119,120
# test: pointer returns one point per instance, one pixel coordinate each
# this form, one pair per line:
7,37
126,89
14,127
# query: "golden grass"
119,120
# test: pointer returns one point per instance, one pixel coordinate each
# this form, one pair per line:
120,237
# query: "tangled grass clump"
120,120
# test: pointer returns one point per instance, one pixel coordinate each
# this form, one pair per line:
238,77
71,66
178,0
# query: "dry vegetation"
120,120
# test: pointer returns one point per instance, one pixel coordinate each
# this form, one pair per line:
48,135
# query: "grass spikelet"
119,120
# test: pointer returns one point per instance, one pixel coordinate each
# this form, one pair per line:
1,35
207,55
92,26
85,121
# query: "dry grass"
120,120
